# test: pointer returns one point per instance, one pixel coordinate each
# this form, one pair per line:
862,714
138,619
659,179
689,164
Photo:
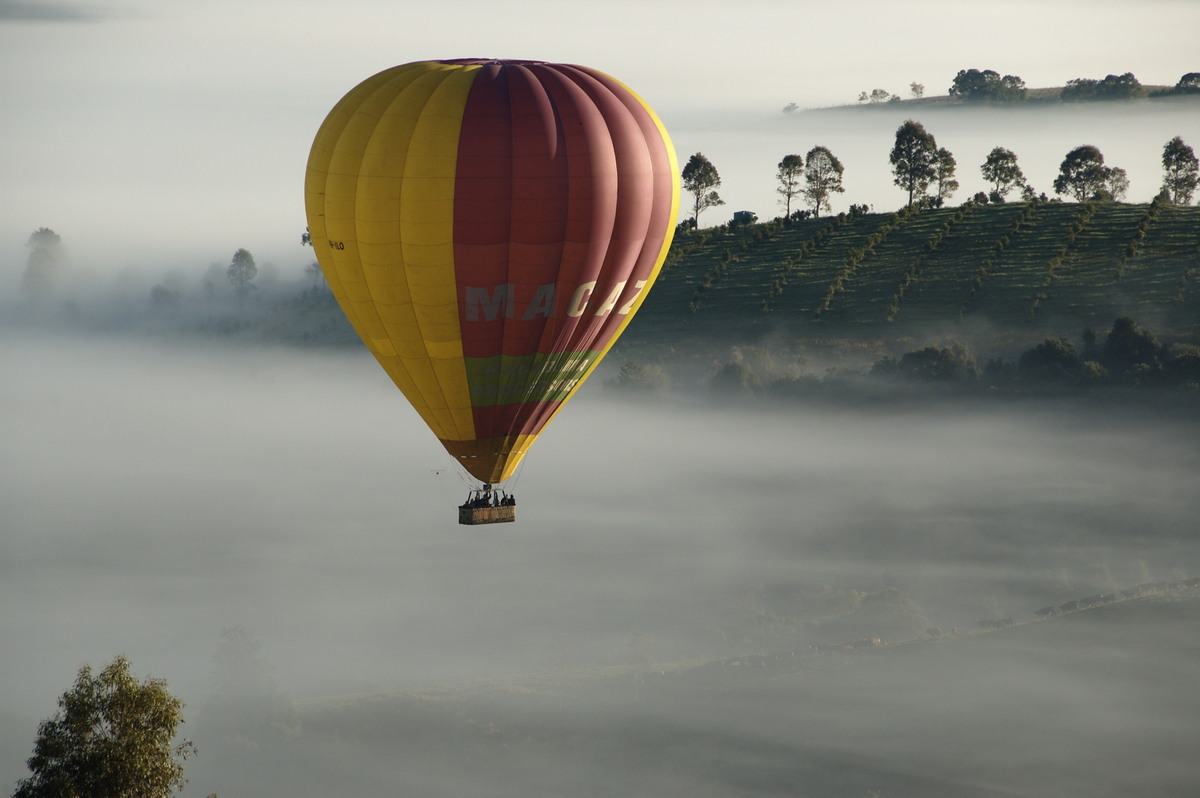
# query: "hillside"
989,273
854,287
1033,96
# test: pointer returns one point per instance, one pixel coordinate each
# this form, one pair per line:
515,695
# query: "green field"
1009,271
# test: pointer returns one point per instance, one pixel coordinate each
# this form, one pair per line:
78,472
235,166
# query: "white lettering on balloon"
483,303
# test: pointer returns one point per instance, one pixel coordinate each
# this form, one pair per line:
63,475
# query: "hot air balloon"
490,227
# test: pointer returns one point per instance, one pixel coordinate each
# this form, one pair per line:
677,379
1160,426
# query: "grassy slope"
1050,268
1000,277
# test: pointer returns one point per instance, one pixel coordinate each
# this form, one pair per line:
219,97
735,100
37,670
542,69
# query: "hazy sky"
146,131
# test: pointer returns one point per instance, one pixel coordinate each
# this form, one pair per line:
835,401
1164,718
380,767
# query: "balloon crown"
488,61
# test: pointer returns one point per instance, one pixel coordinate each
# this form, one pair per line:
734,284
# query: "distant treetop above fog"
973,85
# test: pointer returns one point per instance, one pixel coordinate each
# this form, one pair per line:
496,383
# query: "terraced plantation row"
1038,265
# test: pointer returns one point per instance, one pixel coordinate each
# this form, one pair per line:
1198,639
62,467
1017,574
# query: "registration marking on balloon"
489,304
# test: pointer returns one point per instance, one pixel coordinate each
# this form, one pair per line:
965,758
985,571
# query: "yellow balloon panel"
384,227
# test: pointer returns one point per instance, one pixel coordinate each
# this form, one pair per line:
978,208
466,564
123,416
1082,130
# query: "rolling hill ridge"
1036,266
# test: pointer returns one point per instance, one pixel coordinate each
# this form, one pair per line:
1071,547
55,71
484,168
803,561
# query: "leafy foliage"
914,159
1112,87
1116,186
1130,356
822,177
1129,347
1001,170
1181,171
944,174
1082,174
790,171
878,96
701,179
1053,360
951,363
973,85
1189,83
112,737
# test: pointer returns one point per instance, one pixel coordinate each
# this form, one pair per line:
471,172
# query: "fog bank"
152,496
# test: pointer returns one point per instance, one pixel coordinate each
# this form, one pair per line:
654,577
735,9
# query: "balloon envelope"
489,228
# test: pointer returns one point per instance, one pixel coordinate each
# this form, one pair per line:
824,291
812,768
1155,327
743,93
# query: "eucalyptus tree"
1181,171
1188,84
45,261
914,159
113,736
822,177
1112,87
701,179
1116,183
1082,174
944,174
974,85
791,170
1001,170
877,96
242,271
